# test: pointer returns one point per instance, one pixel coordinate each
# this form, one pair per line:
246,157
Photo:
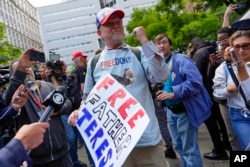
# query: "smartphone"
25,88
37,56
234,57
241,5
211,50
27,85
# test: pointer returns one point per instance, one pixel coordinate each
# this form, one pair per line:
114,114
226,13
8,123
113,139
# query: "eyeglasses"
244,46
162,42
222,41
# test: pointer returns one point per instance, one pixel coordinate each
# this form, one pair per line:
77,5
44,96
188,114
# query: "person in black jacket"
54,149
215,124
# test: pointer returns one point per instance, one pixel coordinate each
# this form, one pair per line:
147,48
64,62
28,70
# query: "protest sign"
111,122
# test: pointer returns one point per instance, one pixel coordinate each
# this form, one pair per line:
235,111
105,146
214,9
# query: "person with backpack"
118,59
78,78
75,89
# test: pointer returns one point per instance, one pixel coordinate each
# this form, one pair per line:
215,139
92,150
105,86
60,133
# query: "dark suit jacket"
14,155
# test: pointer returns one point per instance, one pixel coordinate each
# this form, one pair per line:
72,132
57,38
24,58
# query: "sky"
40,3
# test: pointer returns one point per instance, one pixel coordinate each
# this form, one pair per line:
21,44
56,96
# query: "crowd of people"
179,92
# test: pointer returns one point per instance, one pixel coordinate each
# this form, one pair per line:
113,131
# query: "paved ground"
205,146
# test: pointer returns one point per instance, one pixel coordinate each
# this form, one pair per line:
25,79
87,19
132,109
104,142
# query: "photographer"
54,149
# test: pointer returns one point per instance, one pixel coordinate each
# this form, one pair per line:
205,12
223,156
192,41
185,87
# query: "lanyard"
36,96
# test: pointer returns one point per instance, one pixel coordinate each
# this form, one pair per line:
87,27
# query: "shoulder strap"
226,71
137,52
93,63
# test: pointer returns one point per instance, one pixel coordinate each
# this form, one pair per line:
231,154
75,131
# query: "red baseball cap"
104,14
78,54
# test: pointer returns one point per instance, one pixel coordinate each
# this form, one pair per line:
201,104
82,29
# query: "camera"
36,72
55,67
4,77
157,87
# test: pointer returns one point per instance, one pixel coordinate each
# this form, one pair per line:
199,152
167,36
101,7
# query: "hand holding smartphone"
37,56
241,5
20,97
27,86
234,58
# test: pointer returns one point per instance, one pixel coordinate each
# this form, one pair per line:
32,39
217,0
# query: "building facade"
71,26
22,27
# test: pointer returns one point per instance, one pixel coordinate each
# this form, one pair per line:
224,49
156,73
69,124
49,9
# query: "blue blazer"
14,155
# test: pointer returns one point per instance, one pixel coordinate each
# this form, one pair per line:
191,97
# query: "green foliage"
170,17
8,52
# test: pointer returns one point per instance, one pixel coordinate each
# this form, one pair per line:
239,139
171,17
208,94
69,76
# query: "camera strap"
237,84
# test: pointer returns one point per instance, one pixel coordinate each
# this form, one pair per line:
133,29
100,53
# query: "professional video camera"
55,67
4,77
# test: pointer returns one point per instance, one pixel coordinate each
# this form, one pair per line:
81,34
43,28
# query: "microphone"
54,101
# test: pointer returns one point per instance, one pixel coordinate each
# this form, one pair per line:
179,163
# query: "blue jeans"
184,138
72,139
72,135
241,124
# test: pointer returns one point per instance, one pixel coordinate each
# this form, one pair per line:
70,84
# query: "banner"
111,122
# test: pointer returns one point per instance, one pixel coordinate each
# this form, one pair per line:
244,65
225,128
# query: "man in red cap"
75,88
80,60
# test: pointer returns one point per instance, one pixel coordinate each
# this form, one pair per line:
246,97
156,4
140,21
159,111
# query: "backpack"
74,92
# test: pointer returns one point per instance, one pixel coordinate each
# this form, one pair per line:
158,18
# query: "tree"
203,5
181,28
181,25
8,51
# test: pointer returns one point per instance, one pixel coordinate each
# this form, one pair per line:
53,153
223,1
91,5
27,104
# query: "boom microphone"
54,101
